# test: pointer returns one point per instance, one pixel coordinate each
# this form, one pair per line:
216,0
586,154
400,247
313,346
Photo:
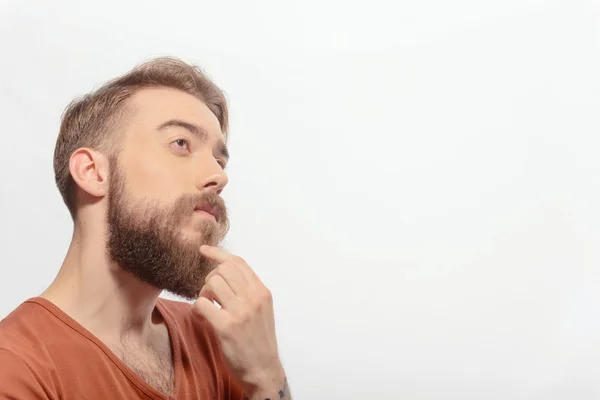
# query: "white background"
416,181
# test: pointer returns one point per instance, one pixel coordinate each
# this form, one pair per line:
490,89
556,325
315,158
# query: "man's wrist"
271,378
271,384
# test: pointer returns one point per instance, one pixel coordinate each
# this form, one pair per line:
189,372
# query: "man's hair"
94,119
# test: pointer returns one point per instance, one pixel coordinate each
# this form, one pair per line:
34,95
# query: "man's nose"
211,176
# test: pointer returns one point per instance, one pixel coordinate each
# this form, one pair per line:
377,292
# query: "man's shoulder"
24,359
178,311
175,305
190,324
38,332
24,327
181,313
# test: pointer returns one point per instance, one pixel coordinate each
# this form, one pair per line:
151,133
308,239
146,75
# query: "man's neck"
98,294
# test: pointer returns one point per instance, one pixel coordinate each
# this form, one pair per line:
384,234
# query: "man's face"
164,202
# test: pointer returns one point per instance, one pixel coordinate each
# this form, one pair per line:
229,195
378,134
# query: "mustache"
189,202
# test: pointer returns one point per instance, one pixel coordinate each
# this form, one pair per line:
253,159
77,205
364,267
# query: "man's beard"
146,239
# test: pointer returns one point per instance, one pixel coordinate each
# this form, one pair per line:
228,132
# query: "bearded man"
140,164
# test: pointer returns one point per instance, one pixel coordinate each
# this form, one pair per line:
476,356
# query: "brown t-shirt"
45,354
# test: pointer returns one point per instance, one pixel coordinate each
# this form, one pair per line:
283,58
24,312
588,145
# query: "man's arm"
244,324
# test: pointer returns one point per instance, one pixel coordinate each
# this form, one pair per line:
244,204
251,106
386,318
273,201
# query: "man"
140,165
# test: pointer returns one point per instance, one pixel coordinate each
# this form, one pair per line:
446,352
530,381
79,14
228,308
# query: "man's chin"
196,237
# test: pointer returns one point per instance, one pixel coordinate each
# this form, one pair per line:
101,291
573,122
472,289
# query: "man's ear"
89,169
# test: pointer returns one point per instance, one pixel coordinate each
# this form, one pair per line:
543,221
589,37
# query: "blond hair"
93,119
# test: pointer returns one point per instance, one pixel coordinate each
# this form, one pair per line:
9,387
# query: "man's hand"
245,324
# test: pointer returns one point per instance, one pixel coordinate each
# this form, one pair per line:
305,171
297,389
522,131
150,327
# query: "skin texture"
142,204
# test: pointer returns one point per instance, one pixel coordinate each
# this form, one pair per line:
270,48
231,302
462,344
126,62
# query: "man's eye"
182,143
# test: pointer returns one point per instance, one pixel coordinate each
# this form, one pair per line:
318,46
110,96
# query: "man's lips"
211,210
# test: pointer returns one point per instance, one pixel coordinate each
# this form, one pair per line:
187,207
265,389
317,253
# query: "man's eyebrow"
197,131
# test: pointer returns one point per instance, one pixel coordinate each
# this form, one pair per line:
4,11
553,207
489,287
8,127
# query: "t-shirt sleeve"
18,381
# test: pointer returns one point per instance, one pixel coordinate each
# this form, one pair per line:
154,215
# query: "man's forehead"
157,105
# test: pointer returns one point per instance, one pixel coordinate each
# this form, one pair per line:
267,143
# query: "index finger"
218,254
221,255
